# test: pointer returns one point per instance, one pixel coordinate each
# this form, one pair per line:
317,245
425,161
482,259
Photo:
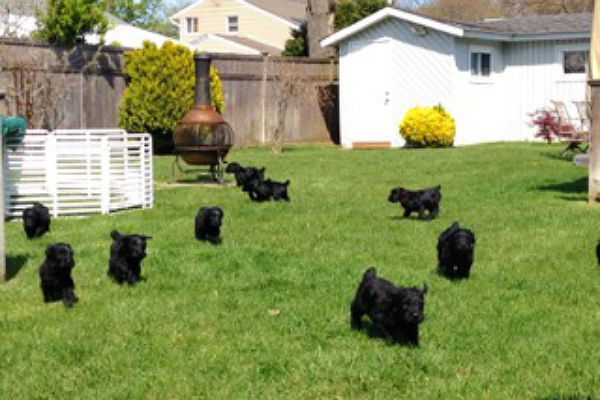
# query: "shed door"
370,117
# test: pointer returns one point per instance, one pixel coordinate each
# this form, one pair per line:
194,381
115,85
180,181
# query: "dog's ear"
115,235
261,172
425,287
221,214
50,251
438,187
370,273
286,183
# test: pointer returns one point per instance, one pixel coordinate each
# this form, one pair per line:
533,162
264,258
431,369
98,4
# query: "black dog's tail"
370,273
115,234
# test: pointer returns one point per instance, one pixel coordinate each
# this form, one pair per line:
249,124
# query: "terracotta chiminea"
202,137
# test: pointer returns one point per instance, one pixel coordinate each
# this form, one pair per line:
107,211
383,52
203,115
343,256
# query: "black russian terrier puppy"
418,200
126,255
395,312
208,224
36,220
456,247
263,190
55,274
244,174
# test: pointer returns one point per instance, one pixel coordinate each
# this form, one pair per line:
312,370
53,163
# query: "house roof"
245,41
292,12
538,27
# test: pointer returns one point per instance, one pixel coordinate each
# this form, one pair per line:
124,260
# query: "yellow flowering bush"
428,127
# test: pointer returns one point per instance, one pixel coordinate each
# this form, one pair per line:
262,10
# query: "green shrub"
428,127
297,45
160,90
67,21
348,12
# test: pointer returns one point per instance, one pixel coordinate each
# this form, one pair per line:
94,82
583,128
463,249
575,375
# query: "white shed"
489,75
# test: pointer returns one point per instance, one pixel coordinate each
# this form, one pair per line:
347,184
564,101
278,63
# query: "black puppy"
36,220
55,274
244,175
263,190
208,224
456,248
394,311
126,255
418,200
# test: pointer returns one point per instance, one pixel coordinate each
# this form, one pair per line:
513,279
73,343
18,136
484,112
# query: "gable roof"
291,12
248,45
538,27
245,41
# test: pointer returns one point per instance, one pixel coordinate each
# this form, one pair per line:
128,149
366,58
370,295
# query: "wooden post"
2,252
594,167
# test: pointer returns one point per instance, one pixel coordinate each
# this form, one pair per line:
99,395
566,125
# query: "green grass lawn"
525,326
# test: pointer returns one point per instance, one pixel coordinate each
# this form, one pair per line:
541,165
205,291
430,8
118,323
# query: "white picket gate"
78,172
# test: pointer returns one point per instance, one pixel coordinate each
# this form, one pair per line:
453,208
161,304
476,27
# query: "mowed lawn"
265,315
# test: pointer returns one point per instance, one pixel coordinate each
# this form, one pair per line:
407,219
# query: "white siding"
416,70
534,77
479,110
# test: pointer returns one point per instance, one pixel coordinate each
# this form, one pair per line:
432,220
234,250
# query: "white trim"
207,36
256,8
180,12
560,50
387,13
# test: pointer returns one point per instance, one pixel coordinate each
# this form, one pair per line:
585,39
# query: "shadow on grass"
372,332
558,396
576,189
14,264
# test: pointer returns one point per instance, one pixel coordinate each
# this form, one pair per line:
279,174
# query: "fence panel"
78,172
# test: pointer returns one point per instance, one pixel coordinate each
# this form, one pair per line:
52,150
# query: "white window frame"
560,51
481,50
228,25
189,25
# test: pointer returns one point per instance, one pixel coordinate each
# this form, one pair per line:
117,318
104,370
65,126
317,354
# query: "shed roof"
537,27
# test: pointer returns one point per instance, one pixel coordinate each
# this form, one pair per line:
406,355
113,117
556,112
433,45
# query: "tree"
348,12
297,45
66,22
135,12
319,17
462,10
160,90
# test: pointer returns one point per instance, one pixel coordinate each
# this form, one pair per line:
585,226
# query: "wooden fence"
67,96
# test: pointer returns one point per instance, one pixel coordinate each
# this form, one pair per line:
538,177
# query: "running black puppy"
418,200
208,224
395,312
456,247
55,274
263,190
36,220
244,174
126,255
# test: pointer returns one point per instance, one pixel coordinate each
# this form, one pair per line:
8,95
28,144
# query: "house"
18,21
239,26
489,75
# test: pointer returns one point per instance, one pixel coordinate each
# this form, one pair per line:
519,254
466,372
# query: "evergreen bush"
160,90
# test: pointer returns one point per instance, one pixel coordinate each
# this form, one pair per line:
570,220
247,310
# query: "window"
481,64
232,24
192,25
575,61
